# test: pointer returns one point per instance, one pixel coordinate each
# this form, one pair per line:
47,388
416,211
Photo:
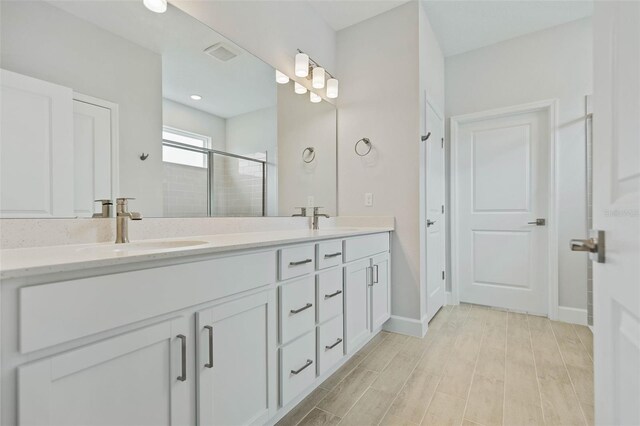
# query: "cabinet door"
130,379
380,291
356,302
235,366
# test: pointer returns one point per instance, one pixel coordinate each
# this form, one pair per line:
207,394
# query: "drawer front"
82,307
330,294
330,344
297,367
328,254
297,308
368,245
296,261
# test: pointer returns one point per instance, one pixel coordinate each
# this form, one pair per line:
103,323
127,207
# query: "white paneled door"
616,211
501,167
435,225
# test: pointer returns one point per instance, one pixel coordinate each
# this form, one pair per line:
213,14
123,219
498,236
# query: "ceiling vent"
222,51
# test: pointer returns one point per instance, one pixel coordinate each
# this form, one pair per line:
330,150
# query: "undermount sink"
139,246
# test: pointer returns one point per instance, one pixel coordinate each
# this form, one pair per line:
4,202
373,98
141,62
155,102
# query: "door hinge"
442,142
443,208
443,275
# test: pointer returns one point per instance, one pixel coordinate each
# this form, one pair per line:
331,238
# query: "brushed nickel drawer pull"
210,363
334,345
329,296
183,351
336,254
301,262
296,311
376,280
308,363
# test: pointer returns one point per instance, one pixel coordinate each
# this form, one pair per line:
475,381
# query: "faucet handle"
123,200
135,216
316,209
303,211
104,202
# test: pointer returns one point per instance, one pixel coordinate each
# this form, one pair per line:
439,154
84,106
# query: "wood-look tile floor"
475,366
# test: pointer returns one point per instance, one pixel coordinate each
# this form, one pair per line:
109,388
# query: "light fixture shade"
299,88
314,98
318,78
195,97
158,6
302,65
281,77
332,88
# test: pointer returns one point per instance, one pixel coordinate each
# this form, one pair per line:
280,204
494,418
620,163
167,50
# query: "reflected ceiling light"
157,6
196,97
314,98
302,65
318,78
281,77
299,88
332,88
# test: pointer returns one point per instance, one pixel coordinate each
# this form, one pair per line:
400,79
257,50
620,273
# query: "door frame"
550,108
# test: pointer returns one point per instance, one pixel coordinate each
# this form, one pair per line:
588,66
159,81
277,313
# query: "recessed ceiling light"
196,97
158,6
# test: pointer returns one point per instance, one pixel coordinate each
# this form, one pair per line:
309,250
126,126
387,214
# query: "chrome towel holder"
312,153
367,142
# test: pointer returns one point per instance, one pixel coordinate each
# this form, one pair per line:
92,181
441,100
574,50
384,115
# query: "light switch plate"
368,199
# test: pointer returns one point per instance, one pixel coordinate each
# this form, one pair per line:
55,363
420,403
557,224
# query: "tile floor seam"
473,376
573,387
535,367
582,343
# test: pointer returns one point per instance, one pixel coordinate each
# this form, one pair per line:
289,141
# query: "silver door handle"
296,311
308,363
377,277
183,351
430,222
210,363
538,222
594,246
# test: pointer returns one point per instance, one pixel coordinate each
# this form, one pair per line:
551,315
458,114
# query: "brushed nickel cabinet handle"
377,277
210,363
301,262
334,345
336,254
329,296
308,363
296,311
370,276
183,351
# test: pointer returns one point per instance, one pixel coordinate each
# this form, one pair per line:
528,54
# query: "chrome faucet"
303,212
122,220
317,215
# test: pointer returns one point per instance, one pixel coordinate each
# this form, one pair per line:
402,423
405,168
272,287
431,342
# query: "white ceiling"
340,14
462,26
241,85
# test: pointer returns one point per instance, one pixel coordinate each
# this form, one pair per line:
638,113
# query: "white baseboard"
404,325
572,315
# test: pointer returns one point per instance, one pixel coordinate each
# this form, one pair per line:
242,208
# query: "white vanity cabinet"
233,348
137,378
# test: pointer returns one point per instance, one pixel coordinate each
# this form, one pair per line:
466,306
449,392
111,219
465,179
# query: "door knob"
430,222
593,245
538,222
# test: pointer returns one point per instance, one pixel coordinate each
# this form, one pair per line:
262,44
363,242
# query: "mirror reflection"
107,99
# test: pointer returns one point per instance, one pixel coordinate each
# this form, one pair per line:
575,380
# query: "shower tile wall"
185,190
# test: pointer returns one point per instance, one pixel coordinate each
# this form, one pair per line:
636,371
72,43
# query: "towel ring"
367,142
312,152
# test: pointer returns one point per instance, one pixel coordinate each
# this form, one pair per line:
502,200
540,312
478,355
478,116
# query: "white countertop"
24,262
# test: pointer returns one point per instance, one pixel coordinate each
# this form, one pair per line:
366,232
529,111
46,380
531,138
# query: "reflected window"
176,147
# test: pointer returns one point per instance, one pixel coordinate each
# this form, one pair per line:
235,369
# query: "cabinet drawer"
79,308
368,245
296,261
330,346
297,312
297,367
330,293
328,254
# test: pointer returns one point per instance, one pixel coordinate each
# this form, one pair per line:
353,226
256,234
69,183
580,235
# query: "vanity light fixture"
281,78
314,98
332,88
157,6
196,97
318,78
299,88
302,64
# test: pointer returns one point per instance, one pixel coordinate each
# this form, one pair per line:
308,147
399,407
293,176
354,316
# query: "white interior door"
616,211
92,156
435,238
501,173
36,148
